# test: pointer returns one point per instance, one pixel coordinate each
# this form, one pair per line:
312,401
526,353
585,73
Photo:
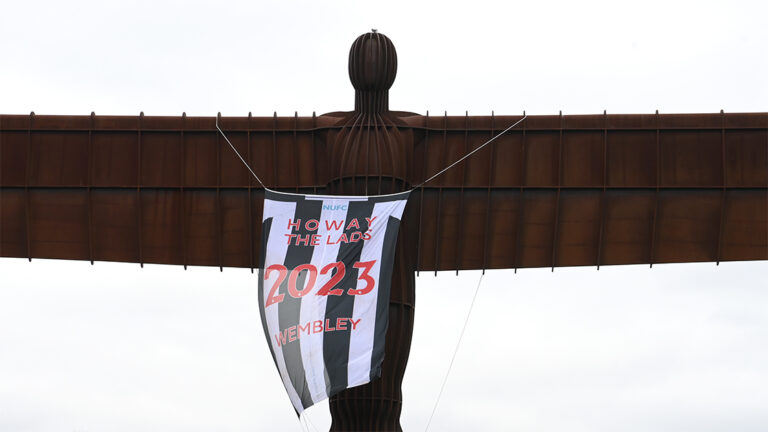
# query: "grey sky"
111,347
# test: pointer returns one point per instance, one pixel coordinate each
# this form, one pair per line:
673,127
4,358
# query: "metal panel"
58,222
115,228
13,229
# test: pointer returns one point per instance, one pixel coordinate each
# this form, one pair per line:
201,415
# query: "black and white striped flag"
326,269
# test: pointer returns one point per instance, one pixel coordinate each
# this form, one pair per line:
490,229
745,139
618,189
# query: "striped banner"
326,269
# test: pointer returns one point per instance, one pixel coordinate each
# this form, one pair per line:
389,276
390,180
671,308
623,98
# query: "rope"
309,422
238,153
455,351
413,188
470,153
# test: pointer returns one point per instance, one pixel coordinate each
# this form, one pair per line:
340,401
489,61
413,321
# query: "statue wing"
591,190
165,190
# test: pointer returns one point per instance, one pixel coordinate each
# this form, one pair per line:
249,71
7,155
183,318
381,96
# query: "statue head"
372,70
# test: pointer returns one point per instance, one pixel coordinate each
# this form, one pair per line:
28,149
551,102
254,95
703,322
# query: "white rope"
415,187
238,154
471,153
455,351
304,423
309,422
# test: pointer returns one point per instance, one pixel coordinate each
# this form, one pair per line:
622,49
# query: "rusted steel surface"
576,190
604,189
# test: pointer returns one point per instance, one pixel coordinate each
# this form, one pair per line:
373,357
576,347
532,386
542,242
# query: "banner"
326,269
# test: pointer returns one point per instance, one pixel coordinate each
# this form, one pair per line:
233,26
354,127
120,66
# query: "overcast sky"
113,347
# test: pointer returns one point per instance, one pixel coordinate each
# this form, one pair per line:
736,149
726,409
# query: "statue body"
371,154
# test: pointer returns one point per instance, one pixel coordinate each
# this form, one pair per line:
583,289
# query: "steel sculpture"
559,190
